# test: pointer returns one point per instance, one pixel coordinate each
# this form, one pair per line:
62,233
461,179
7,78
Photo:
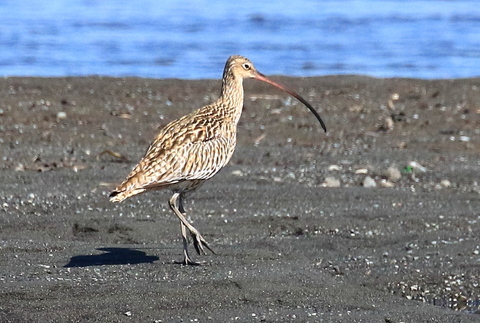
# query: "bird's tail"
118,195
129,187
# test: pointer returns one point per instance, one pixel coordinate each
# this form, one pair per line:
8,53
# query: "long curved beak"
259,76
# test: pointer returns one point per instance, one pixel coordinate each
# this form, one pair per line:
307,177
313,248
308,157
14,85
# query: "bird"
194,148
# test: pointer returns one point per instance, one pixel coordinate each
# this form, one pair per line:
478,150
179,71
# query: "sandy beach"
376,221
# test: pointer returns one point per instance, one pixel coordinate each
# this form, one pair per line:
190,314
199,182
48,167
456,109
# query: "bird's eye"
246,66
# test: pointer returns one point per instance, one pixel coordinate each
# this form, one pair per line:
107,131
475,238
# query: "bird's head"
241,67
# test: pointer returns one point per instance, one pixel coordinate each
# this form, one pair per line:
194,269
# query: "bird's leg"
186,257
198,241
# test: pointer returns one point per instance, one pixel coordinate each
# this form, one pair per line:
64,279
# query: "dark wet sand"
289,249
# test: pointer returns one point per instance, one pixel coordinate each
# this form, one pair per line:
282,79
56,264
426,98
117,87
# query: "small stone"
290,175
331,182
128,313
393,174
391,105
332,168
445,183
369,182
237,172
361,171
388,124
385,183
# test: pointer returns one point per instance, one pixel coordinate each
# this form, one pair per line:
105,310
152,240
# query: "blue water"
192,39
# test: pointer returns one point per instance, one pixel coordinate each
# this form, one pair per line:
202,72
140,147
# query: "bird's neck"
231,95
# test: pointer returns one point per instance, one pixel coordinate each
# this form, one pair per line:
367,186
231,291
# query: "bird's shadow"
113,256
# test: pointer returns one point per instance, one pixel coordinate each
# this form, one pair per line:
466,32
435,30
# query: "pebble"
361,171
290,175
388,124
331,182
237,172
61,115
386,183
332,168
445,183
369,182
393,174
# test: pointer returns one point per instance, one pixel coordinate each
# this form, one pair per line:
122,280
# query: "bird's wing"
192,147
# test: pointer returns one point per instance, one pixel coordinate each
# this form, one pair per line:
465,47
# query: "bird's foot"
199,243
187,261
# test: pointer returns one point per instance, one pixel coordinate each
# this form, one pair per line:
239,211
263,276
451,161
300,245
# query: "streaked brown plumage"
192,149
